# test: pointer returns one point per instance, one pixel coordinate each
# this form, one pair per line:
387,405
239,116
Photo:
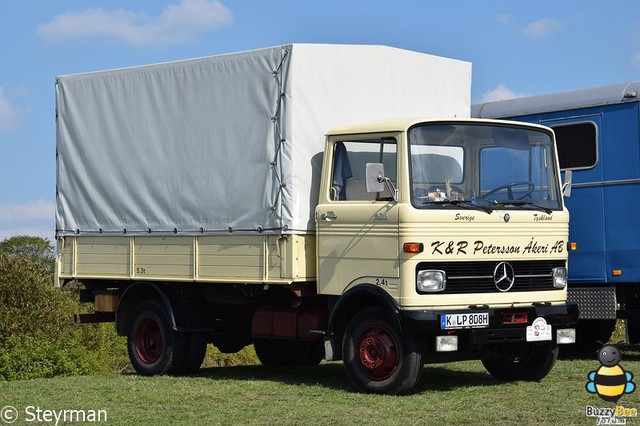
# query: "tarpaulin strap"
279,139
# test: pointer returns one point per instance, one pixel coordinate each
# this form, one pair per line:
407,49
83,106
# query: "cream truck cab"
440,241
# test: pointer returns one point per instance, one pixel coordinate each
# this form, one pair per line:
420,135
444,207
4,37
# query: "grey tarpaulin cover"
228,142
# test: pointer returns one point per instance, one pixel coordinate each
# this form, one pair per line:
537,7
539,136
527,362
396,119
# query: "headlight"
560,277
431,281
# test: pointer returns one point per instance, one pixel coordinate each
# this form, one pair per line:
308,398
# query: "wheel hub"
378,353
149,341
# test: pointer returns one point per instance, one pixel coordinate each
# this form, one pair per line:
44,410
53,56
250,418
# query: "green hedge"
37,335
39,339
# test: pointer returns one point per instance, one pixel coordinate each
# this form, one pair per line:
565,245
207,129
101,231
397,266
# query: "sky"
517,48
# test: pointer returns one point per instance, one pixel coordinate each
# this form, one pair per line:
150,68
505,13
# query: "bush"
37,335
29,303
215,358
29,357
26,246
39,339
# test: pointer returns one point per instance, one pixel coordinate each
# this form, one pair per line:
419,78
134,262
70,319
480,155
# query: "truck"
281,198
597,133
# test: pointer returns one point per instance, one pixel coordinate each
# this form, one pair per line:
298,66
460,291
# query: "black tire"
530,363
377,357
154,347
196,348
287,353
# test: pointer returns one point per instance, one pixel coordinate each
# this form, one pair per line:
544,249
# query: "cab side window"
349,164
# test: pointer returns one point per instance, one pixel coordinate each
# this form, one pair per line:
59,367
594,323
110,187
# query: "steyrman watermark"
36,414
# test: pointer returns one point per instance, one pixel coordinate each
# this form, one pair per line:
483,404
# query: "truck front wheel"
531,362
153,346
377,357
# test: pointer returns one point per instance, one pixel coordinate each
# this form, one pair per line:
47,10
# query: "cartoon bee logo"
610,381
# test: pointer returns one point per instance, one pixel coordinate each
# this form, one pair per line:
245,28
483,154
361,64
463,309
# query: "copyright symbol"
8,414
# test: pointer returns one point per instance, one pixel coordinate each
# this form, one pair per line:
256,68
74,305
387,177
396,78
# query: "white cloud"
500,93
44,231
32,210
178,23
542,28
32,218
8,114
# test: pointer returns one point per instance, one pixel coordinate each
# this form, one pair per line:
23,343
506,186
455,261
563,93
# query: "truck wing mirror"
566,186
376,180
375,177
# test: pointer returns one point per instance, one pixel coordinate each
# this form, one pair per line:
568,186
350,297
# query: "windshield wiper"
520,203
471,205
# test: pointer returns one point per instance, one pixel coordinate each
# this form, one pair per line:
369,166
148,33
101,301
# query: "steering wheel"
509,187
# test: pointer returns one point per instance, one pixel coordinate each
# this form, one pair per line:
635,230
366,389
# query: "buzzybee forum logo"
610,382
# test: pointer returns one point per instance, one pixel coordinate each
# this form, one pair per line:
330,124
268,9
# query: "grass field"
456,393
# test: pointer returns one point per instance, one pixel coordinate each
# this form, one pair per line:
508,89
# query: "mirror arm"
392,189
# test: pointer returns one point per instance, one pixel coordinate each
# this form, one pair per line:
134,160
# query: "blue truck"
598,141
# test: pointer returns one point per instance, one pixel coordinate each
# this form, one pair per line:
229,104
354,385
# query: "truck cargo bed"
265,259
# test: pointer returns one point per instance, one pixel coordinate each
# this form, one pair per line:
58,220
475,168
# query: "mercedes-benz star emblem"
503,276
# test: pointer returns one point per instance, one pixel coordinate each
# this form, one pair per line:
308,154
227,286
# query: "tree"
27,246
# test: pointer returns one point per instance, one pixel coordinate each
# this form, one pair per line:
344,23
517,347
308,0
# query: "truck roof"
402,124
605,95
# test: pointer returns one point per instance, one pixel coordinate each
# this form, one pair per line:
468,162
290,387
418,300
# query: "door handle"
328,216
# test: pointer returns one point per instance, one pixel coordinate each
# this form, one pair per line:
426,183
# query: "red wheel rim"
378,353
149,341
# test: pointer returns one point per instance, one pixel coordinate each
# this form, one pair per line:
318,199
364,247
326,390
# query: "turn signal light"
573,246
413,247
616,272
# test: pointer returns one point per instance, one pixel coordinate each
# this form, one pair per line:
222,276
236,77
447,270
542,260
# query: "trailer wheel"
287,353
154,347
378,358
530,362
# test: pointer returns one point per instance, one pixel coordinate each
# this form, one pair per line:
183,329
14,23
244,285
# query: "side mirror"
376,180
374,173
566,186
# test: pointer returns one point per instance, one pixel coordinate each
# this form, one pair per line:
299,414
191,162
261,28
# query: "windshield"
485,165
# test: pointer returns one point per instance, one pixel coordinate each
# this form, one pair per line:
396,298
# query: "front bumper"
499,329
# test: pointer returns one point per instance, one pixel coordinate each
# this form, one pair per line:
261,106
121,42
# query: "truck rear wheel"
196,348
531,362
377,357
153,346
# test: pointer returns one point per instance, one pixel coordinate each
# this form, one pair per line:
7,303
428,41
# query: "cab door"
357,231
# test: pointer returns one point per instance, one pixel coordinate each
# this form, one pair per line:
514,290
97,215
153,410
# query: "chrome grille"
477,277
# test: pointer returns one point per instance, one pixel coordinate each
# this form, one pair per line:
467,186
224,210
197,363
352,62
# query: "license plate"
475,320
